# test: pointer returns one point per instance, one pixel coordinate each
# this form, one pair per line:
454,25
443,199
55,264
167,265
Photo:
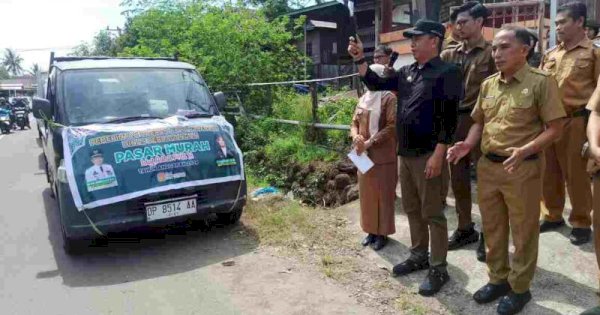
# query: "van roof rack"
76,58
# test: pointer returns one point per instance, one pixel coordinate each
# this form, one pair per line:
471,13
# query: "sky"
53,25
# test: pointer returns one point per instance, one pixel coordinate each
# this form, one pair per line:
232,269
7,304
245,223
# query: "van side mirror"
42,108
221,100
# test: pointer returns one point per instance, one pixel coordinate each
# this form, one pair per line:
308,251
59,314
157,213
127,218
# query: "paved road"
176,274
565,282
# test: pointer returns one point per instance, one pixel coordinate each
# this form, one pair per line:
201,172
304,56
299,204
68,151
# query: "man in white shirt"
99,170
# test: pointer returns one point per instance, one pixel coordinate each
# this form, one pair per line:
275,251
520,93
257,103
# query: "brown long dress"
377,188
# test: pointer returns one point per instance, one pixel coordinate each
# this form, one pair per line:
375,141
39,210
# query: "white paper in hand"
362,162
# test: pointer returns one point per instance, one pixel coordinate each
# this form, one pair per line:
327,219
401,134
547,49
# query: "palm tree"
12,62
35,69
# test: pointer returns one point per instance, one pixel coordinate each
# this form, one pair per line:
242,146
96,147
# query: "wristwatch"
584,150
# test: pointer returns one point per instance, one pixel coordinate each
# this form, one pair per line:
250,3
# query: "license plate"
170,208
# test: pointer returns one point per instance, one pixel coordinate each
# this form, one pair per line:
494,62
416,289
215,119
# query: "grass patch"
321,238
255,181
406,304
315,234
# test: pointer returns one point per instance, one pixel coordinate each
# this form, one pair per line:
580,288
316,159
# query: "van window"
101,95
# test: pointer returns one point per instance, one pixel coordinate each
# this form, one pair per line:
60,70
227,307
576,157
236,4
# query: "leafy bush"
338,112
292,106
277,153
229,44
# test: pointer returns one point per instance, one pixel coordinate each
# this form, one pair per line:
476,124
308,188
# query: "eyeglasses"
377,57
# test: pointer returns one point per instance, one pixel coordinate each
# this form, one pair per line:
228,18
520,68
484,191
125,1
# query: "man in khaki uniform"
575,64
593,134
453,37
474,57
517,114
592,31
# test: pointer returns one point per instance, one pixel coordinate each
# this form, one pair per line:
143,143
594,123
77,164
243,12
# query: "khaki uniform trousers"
509,203
564,163
596,217
460,175
423,206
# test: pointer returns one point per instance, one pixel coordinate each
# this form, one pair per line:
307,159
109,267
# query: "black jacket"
428,99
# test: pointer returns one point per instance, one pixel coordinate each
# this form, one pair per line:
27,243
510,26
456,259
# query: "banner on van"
110,163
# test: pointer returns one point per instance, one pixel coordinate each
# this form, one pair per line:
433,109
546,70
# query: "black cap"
423,27
96,153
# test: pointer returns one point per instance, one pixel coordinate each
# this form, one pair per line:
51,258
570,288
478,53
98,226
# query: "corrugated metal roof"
314,8
26,82
323,24
122,63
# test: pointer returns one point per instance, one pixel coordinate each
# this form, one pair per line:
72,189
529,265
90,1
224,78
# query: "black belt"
500,159
578,113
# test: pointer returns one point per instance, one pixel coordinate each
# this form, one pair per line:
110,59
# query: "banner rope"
96,229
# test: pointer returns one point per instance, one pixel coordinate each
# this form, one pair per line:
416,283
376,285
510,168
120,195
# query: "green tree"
35,69
12,62
230,45
103,44
134,7
81,50
3,73
276,8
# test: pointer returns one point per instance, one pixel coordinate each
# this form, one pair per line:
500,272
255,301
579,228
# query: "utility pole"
553,9
305,52
377,22
118,30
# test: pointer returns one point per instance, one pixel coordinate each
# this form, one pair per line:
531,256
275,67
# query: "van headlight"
61,174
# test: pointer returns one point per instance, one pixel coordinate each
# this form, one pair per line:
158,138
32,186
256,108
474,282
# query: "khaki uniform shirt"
514,113
475,65
594,103
450,42
576,72
594,106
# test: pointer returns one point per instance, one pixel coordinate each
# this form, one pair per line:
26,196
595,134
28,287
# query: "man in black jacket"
429,92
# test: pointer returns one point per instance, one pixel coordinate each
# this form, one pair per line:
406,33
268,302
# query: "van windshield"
105,95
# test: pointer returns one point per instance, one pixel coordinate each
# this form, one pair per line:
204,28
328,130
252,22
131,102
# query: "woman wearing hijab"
374,132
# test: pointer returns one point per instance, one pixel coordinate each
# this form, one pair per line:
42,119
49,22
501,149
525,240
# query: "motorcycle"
4,122
21,118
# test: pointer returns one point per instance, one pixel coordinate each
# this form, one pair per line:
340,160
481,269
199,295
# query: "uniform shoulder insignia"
539,71
550,49
450,47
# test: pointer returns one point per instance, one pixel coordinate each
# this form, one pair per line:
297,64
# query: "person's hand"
517,156
458,151
433,168
355,49
388,71
359,144
357,138
594,154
